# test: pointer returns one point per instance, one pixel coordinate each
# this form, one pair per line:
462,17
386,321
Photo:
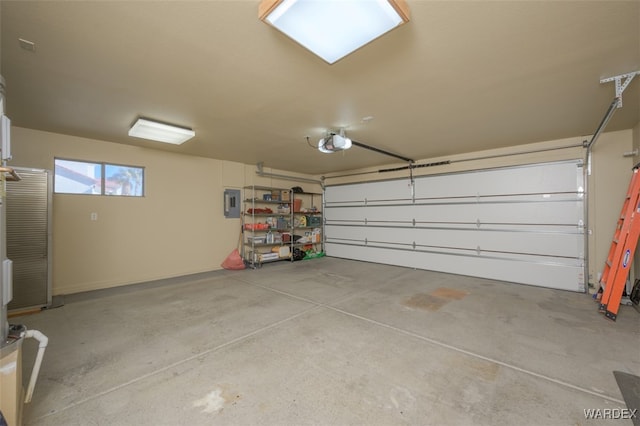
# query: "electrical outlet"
94,216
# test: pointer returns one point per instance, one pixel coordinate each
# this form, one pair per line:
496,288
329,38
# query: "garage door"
521,224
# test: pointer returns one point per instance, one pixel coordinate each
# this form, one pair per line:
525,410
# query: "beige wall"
1,97
0,34
607,184
611,174
636,143
636,160
178,228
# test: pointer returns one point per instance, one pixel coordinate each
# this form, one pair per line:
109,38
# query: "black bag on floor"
298,254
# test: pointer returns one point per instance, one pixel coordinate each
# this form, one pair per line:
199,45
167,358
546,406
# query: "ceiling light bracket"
622,82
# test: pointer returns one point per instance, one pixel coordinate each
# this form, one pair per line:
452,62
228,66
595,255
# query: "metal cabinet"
28,219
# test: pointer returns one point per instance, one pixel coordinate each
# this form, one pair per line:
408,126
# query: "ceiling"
461,76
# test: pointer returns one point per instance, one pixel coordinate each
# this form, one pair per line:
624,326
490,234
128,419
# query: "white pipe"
44,340
260,172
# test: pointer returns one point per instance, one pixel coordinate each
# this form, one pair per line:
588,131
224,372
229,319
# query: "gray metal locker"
28,211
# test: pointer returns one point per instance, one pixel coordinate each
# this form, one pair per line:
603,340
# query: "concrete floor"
331,342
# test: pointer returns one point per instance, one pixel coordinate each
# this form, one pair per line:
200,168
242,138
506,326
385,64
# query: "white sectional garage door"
521,224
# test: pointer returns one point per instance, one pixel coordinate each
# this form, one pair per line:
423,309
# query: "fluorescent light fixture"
152,130
333,143
332,29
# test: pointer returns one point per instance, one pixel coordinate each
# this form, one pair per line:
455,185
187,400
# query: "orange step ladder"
623,247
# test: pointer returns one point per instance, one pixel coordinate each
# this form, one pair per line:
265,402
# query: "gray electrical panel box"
232,203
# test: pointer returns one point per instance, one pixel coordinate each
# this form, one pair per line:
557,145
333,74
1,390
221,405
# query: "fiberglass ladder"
625,240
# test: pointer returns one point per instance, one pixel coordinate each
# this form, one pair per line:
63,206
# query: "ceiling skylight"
332,29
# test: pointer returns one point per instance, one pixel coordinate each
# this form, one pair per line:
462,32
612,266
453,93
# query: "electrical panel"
232,203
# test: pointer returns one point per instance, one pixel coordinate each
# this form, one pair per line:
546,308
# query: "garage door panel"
517,216
395,254
551,275
551,177
383,191
542,244
544,178
561,213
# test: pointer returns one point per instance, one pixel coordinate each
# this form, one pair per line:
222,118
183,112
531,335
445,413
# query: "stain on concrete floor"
434,300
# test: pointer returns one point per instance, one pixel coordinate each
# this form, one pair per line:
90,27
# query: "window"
82,177
123,180
77,177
